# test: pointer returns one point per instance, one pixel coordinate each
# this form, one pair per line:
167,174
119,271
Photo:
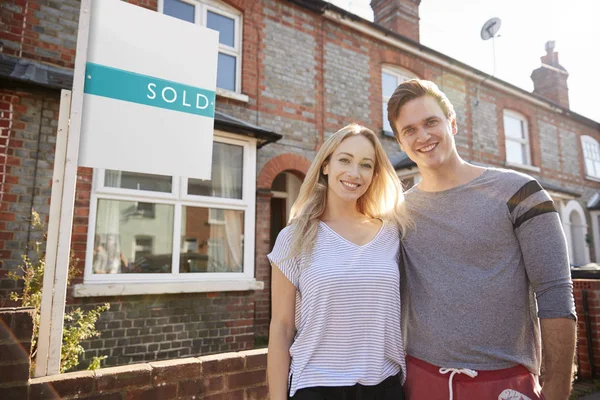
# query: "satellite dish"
490,28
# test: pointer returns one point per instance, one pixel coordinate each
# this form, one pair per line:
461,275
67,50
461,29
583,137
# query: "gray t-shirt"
479,257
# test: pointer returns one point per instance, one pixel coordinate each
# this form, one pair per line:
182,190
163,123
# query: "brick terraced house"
182,261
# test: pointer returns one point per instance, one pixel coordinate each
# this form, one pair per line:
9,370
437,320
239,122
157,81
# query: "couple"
475,258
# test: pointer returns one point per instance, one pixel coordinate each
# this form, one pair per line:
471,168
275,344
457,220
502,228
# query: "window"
160,228
517,139
591,155
390,79
222,18
143,247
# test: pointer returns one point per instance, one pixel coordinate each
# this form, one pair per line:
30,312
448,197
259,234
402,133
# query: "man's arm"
558,347
544,248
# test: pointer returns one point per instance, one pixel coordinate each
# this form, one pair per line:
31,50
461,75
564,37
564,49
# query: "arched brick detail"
298,166
279,164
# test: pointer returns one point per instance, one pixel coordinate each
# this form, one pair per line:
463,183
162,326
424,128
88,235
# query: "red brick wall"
283,162
16,332
43,30
27,142
31,29
230,376
593,294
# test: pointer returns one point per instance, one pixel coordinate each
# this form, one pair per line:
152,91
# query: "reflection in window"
227,173
517,138
224,20
179,9
208,246
226,76
137,181
591,155
143,247
125,243
390,79
225,26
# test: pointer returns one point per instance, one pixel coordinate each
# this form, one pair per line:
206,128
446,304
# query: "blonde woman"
335,327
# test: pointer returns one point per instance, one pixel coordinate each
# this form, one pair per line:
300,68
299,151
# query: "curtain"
107,249
227,252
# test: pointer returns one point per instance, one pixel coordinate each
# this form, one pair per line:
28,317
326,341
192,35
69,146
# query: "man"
487,244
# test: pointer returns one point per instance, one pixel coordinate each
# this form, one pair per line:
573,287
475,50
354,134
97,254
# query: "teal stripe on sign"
119,84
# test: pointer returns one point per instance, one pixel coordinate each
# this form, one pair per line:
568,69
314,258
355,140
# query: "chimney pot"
550,80
400,16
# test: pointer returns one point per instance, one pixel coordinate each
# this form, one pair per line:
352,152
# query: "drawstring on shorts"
454,371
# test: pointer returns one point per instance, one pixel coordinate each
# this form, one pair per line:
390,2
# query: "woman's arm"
281,334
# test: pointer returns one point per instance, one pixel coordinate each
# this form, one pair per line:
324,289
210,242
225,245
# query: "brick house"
182,262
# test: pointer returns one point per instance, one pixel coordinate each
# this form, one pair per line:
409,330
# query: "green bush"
78,324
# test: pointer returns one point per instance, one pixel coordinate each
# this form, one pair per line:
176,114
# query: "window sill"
132,289
232,95
592,178
523,167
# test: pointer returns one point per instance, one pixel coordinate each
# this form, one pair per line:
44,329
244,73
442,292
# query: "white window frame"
201,8
402,75
179,198
523,142
590,148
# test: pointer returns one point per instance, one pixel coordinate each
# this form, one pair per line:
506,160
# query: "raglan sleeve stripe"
530,201
524,192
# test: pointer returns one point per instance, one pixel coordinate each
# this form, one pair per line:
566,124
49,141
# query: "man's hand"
558,347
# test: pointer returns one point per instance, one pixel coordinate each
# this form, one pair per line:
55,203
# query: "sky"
453,27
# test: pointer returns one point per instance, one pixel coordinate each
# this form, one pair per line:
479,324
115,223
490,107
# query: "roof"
321,6
23,70
33,72
228,123
403,162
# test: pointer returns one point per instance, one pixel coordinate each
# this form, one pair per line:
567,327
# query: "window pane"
388,84
226,72
513,127
227,172
136,181
225,26
515,152
212,240
596,169
386,124
589,167
129,242
591,150
179,9
587,150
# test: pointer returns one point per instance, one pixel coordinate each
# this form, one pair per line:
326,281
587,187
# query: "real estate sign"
143,101
149,93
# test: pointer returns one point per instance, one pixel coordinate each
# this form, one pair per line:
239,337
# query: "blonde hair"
383,199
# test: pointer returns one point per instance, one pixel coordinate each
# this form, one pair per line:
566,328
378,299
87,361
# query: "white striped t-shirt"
347,309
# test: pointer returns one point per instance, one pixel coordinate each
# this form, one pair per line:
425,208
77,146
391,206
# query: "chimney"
550,80
400,16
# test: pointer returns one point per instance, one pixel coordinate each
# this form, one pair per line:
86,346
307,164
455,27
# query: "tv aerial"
490,31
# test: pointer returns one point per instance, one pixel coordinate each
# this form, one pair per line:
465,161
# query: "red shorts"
425,381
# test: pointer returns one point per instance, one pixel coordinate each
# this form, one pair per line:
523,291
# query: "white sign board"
149,93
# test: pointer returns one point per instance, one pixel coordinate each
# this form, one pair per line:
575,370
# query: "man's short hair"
413,89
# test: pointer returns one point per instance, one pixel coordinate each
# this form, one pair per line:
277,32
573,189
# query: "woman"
335,327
